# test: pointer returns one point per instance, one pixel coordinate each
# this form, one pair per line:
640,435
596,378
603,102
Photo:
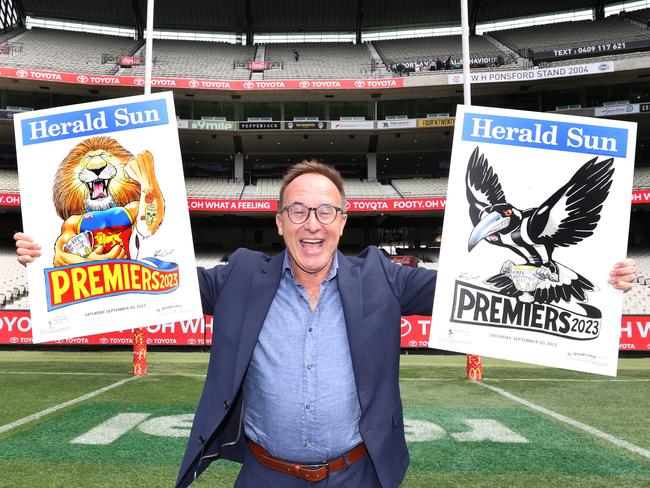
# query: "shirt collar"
286,265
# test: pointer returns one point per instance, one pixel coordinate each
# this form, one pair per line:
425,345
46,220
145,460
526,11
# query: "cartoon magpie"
567,217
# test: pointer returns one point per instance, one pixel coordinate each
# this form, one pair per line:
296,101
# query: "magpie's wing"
572,212
483,187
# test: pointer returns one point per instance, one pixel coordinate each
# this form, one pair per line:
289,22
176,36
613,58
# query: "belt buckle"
310,472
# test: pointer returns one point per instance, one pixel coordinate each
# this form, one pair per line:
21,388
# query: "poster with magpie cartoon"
103,193
537,213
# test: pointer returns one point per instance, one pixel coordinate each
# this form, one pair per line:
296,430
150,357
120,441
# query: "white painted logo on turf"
179,426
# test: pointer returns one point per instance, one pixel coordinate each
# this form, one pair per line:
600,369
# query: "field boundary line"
577,380
47,411
574,423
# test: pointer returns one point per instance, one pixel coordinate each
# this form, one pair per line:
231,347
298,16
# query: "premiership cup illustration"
525,278
82,244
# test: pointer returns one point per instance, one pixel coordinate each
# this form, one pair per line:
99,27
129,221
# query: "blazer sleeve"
414,288
212,280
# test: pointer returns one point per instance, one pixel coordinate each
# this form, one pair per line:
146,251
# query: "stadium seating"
266,189
421,49
570,34
42,49
13,282
218,188
421,187
364,189
641,16
319,60
196,59
641,177
9,181
637,301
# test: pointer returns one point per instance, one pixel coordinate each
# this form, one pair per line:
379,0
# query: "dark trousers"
358,475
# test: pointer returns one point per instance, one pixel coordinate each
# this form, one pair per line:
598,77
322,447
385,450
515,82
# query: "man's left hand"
623,274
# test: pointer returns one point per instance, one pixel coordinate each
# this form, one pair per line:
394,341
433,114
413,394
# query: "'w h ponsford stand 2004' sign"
538,209
102,192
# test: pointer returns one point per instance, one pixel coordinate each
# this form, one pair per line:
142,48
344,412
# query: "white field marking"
577,380
47,411
595,380
488,430
64,373
114,428
169,425
574,423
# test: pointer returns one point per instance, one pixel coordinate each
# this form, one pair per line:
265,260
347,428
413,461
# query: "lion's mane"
70,193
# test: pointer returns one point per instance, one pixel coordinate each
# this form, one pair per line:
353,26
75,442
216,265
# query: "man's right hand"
26,248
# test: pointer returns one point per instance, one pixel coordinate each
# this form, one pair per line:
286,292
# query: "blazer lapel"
349,283
264,285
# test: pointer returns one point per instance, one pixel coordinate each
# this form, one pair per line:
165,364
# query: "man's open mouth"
311,243
98,189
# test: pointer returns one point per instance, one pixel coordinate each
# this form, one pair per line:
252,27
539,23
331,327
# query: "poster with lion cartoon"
537,213
103,193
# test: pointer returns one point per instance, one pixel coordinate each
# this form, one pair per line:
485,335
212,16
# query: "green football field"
72,419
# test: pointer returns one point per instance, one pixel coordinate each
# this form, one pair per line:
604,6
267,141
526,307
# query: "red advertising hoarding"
202,84
16,328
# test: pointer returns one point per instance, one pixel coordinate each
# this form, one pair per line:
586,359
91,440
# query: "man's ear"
278,223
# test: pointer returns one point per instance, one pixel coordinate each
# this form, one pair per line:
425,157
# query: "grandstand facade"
380,111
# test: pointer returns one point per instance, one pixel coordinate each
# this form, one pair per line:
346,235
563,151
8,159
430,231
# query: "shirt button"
306,444
310,329
226,405
309,365
307,406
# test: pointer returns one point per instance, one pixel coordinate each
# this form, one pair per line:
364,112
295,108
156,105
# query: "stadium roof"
293,15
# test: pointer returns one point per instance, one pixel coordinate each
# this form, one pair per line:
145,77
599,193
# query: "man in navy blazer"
374,294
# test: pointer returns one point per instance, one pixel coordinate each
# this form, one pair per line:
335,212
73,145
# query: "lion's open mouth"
98,189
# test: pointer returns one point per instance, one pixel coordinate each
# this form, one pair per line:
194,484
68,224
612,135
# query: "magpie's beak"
490,224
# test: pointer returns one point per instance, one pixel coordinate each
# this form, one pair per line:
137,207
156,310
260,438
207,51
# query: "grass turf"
434,391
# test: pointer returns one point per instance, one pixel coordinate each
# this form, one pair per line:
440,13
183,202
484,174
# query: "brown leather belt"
307,472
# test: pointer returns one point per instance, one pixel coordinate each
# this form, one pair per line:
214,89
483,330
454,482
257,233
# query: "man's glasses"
299,213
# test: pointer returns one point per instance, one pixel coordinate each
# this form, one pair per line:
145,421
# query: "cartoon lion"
102,192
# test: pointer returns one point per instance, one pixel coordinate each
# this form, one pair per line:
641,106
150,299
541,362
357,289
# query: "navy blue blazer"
375,293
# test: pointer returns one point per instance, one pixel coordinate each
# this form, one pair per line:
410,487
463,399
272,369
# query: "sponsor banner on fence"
352,124
397,124
641,196
214,125
632,108
437,122
533,201
592,49
305,125
9,200
635,333
394,205
198,204
201,84
260,125
108,209
16,328
498,76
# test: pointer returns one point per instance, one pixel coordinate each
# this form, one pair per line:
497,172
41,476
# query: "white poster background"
528,177
172,242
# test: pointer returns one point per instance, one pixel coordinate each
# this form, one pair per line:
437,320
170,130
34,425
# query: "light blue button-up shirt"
300,397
